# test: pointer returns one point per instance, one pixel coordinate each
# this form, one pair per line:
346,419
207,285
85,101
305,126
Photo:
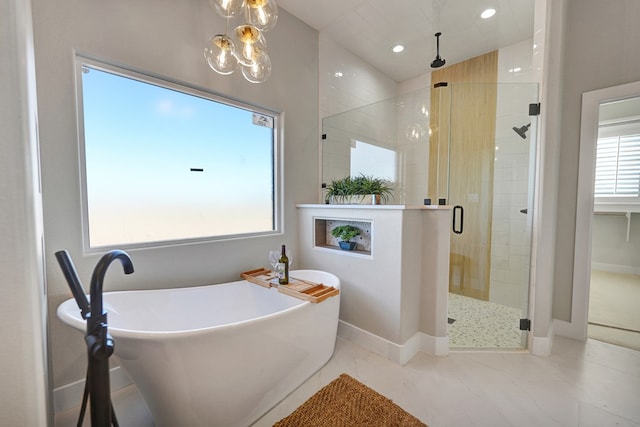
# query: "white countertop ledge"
377,207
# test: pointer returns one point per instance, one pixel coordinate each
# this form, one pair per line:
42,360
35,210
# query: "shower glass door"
489,137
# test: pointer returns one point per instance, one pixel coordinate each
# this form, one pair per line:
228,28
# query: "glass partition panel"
388,139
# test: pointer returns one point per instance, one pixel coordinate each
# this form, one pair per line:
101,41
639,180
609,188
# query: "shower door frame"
462,274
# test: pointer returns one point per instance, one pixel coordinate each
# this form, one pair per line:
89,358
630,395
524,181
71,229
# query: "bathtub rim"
71,316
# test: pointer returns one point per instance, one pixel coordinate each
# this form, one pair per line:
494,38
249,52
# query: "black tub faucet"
98,278
100,345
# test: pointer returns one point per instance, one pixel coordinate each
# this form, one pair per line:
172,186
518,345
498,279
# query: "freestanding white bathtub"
218,355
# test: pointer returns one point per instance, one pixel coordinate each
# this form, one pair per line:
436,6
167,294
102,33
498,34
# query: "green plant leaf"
361,185
345,232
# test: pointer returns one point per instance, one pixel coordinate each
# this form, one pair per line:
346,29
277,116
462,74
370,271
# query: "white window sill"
612,207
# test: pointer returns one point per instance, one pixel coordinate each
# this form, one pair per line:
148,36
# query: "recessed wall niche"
324,239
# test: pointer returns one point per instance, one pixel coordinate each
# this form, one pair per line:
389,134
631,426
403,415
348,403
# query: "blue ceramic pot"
347,246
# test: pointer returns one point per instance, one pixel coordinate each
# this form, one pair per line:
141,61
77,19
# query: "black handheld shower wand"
69,271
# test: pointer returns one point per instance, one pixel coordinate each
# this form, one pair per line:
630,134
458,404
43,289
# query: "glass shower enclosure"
473,145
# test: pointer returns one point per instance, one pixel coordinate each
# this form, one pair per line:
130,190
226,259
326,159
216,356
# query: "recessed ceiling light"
398,48
488,13
338,74
515,69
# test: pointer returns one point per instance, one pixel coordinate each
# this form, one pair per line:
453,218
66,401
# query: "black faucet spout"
97,278
100,345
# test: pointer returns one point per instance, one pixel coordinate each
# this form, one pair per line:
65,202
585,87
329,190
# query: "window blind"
618,167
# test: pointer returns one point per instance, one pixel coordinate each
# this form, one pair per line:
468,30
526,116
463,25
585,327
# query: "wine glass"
274,259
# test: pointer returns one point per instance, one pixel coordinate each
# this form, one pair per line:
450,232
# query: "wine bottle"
283,268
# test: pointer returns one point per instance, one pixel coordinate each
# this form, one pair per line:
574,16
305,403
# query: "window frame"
182,87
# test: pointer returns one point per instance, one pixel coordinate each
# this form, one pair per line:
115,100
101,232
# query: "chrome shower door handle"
458,230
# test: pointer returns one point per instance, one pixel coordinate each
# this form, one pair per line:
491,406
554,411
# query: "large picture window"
163,162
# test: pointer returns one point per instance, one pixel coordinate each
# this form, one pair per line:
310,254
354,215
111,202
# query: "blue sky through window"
141,142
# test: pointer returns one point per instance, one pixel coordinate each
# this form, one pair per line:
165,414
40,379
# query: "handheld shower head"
522,130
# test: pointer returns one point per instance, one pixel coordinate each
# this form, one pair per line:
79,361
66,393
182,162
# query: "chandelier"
246,47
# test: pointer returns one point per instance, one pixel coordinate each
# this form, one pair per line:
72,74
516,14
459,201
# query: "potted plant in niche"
345,233
358,190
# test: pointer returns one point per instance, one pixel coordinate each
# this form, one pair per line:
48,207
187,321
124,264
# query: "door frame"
584,207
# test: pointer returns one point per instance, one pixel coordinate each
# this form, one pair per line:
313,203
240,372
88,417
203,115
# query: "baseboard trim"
541,345
398,353
436,346
70,395
570,329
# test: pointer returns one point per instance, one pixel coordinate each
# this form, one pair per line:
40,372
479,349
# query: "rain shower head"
438,62
522,130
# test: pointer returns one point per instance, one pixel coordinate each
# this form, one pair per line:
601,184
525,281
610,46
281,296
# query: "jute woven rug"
346,402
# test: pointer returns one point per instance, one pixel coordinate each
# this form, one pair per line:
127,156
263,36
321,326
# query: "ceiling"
370,28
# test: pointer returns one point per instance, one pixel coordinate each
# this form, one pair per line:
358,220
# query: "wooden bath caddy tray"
299,288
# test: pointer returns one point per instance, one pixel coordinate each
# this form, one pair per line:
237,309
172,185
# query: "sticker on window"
262,120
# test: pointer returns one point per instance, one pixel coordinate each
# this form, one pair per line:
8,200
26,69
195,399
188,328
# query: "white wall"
601,50
23,359
358,85
166,38
610,249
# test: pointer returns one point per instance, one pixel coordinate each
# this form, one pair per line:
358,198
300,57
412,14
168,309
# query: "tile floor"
581,384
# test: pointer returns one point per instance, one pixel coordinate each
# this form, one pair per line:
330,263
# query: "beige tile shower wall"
471,149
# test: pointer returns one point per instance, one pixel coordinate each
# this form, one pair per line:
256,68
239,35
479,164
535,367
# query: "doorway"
614,294
607,243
